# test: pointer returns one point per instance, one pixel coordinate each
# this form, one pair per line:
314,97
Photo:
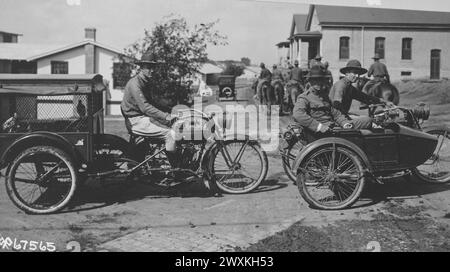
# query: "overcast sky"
253,27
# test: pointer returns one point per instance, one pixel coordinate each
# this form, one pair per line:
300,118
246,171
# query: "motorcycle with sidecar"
331,169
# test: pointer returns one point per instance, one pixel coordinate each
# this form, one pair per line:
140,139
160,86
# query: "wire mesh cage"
54,113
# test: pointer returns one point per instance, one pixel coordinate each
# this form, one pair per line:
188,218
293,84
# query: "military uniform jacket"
344,92
312,109
277,75
296,74
135,103
378,69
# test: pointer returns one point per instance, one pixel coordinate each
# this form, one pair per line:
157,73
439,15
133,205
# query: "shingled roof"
341,15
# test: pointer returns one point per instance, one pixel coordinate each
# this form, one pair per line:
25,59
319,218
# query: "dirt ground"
401,215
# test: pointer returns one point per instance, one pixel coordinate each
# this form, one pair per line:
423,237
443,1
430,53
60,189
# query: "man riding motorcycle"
140,112
343,92
379,72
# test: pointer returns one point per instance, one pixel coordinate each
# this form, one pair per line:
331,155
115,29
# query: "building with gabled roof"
412,43
85,57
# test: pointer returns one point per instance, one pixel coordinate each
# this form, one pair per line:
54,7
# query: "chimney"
89,33
89,51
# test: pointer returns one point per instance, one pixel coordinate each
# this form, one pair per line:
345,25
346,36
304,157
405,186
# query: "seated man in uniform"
343,92
313,108
143,116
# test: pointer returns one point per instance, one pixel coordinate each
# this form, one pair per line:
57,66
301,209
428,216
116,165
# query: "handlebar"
208,116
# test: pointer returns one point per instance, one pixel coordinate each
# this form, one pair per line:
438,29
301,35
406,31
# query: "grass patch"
433,93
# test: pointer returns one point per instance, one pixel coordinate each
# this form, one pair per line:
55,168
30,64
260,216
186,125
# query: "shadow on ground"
95,194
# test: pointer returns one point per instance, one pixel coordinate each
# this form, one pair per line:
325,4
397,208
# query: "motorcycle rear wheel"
436,170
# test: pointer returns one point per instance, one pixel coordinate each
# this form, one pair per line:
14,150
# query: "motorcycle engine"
190,156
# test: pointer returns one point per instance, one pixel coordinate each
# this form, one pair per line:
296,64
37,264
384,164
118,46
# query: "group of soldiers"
324,103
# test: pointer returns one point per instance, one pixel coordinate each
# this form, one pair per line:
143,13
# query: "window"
406,48
7,38
380,46
121,74
344,47
405,73
60,67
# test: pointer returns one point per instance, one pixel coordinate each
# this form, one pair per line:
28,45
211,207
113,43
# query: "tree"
233,69
182,48
246,61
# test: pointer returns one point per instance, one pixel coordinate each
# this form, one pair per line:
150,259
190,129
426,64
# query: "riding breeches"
143,126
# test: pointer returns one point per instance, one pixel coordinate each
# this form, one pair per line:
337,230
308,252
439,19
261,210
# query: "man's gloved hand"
348,126
323,128
171,116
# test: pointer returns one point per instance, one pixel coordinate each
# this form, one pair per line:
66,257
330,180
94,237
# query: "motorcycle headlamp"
288,135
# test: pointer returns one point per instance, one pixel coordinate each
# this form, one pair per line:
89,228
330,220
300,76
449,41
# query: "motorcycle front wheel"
238,166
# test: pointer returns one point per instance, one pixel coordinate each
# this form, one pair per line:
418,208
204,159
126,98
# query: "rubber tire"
415,172
315,204
287,168
56,152
263,158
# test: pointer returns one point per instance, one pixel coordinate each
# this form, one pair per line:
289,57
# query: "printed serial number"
8,243
246,261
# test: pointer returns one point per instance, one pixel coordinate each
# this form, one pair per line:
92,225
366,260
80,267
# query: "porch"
304,47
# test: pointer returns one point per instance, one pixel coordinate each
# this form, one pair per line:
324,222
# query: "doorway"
435,64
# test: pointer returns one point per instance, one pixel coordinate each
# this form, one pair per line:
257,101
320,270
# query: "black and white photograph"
234,128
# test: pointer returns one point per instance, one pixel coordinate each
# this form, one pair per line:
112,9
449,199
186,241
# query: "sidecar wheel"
436,170
327,187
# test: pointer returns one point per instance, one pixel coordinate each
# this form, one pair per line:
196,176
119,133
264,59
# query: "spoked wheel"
437,168
331,178
238,167
289,156
41,180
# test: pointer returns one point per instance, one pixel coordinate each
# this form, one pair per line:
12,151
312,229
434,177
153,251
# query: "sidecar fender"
324,142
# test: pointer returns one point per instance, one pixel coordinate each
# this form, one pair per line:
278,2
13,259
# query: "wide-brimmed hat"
354,65
149,58
377,56
316,72
318,57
